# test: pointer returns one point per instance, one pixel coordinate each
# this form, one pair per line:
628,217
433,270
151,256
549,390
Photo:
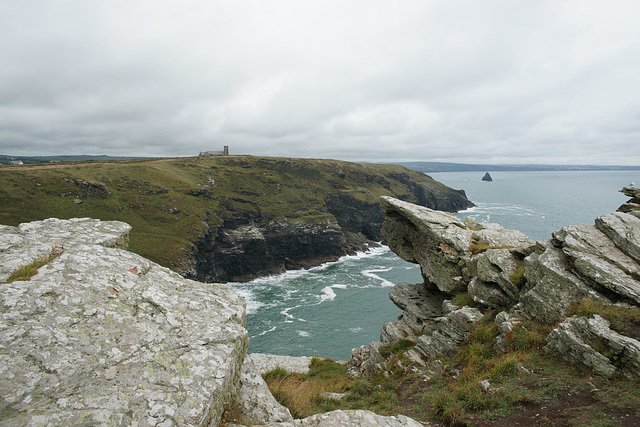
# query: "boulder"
487,177
350,418
624,232
268,362
103,336
452,332
256,400
551,286
597,259
589,344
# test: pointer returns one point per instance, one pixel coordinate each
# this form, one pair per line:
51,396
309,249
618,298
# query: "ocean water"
328,310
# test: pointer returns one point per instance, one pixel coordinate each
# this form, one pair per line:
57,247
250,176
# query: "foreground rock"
102,336
505,270
350,418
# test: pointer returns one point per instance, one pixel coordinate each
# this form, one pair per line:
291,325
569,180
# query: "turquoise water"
328,310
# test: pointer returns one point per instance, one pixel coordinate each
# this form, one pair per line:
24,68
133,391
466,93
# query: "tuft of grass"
517,277
477,246
26,272
528,335
625,320
462,299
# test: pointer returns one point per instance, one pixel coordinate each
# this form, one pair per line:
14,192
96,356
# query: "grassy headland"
170,203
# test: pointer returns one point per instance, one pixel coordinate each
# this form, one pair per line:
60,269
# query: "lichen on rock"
104,336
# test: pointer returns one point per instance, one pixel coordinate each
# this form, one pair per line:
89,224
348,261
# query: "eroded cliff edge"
102,336
226,218
504,271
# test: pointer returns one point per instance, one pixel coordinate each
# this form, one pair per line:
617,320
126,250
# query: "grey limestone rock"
350,418
28,242
420,305
596,258
451,333
102,336
267,362
581,341
552,286
623,230
395,331
441,243
257,402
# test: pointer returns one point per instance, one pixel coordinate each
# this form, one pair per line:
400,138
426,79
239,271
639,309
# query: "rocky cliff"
226,218
102,336
556,282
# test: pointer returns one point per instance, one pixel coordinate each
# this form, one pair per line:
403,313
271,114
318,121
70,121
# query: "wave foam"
383,282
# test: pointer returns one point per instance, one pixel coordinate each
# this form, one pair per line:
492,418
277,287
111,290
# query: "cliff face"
102,336
504,270
226,218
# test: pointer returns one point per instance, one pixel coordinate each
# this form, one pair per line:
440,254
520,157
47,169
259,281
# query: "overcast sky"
434,80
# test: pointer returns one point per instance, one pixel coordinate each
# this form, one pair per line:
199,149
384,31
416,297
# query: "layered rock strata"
505,270
102,336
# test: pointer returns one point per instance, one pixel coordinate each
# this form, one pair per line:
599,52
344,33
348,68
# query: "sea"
328,310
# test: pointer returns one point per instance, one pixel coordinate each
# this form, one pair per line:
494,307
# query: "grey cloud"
507,81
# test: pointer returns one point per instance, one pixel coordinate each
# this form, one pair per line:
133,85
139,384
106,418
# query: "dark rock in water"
487,177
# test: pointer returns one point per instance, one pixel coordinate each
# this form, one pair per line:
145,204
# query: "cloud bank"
444,80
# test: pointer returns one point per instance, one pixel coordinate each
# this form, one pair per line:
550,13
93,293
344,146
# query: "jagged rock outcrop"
487,177
102,336
506,270
589,344
442,244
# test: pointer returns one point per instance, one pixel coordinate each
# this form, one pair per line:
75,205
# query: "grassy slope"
274,187
527,386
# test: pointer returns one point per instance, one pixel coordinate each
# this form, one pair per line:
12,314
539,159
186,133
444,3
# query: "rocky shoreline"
102,336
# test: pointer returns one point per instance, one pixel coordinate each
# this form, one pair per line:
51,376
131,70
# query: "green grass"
525,375
625,320
156,197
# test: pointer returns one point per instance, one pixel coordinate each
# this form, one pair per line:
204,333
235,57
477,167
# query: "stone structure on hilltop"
505,270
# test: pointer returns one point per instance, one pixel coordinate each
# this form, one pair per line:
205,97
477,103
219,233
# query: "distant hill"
5,159
464,167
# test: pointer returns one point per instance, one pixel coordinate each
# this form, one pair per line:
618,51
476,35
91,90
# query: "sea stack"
487,177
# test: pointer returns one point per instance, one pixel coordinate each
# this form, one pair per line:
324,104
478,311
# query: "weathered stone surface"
552,286
580,341
28,242
398,330
624,232
440,242
257,402
102,336
452,332
267,362
489,294
420,305
599,261
350,418
498,266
